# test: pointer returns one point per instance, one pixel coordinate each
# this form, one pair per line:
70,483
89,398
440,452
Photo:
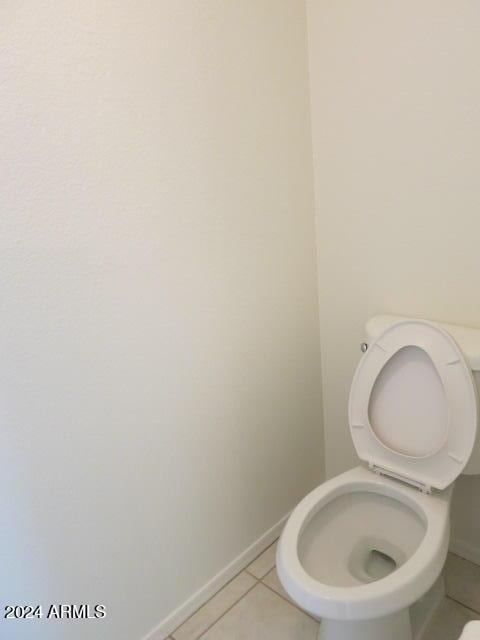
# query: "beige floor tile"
214,608
263,615
273,581
462,581
449,621
264,563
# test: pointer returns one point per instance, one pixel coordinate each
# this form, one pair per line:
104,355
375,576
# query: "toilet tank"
468,340
471,631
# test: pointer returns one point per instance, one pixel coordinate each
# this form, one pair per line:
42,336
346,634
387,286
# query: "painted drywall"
159,354
395,96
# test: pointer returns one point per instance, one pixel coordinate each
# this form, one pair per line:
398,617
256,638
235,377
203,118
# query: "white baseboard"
465,550
175,619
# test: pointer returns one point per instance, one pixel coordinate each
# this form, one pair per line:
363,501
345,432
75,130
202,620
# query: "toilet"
365,550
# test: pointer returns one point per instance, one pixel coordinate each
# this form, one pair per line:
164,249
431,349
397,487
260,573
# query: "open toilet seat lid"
413,405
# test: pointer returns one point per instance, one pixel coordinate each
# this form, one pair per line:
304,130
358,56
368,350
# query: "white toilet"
365,550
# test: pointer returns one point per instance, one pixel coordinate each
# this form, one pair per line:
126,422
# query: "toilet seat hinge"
381,471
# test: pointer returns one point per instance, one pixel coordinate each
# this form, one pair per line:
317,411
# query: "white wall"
159,366
395,100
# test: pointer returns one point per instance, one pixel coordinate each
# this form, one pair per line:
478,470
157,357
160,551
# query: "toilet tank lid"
467,338
471,631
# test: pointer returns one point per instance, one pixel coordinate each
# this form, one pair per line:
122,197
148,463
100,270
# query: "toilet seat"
375,599
425,427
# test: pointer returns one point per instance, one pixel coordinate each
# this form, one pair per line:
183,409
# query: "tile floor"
254,606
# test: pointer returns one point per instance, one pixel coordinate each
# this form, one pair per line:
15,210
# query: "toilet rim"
392,593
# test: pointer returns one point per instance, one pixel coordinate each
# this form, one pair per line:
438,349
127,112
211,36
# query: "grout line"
453,553
227,610
287,600
465,606
255,559
263,576
172,635
251,574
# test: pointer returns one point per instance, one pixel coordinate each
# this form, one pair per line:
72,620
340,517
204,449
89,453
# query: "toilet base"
407,624
394,627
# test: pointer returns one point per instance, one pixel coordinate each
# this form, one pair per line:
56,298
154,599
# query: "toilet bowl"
361,549
361,546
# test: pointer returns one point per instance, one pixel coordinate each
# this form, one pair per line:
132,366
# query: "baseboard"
185,610
465,550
